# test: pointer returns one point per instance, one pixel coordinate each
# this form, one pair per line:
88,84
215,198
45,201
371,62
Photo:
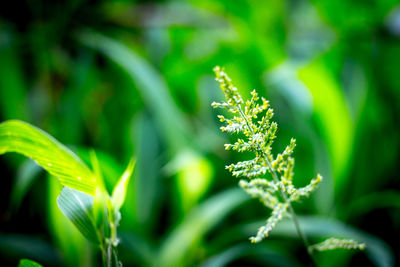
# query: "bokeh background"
135,78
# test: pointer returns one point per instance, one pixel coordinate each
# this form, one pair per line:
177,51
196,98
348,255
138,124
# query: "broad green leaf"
78,207
73,245
119,192
151,85
143,198
58,160
332,115
28,263
194,177
196,224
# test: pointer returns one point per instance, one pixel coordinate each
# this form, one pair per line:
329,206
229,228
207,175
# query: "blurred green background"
135,78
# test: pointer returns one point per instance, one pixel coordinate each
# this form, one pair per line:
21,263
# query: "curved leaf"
335,122
58,160
119,192
196,224
151,85
28,263
377,200
17,246
266,254
78,207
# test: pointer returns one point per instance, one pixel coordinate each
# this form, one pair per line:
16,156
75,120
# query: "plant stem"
283,194
109,255
103,254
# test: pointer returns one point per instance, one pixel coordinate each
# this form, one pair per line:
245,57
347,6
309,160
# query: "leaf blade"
28,263
182,239
119,192
55,158
77,207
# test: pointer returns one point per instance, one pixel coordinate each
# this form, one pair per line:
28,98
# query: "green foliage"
133,77
119,192
179,243
82,187
28,263
78,208
25,139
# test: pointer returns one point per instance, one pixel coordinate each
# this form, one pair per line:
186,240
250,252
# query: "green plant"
258,137
84,199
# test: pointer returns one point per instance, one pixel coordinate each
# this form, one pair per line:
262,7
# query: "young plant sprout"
84,199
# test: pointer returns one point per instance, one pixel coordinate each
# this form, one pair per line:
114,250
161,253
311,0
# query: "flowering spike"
278,192
335,243
279,211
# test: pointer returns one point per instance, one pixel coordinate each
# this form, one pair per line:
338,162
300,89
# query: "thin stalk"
103,254
109,255
283,194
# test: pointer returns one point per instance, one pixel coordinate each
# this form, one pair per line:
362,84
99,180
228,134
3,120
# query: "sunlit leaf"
194,177
25,139
332,115
78,207
28,263
109,168
119,192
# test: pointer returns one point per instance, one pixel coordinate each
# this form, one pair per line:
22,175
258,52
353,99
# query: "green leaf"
17,246
142,201
119,192
194,177
266,254
335,122
78,208
151,85
196,224
139,248
76,251
13,89
28,263
26,175
58,160
370,202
